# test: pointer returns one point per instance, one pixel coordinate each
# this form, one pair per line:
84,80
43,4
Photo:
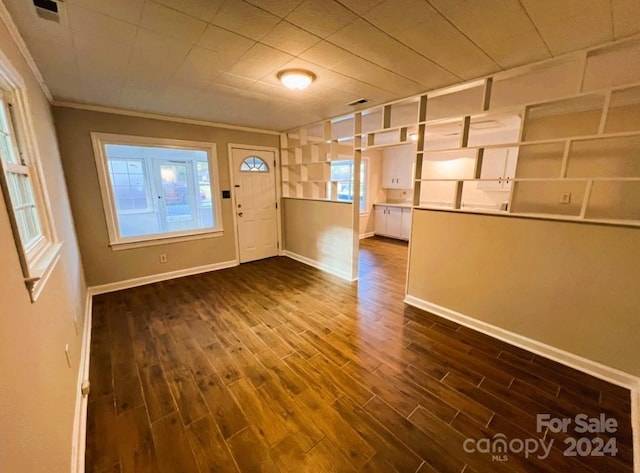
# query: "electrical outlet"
565,198
163,258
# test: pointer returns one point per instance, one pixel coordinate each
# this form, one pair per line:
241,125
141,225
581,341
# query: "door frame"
276,177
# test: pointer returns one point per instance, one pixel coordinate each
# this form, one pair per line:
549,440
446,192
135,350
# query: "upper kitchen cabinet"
397,167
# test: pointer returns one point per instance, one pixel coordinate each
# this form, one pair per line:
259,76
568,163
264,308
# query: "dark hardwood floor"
274,366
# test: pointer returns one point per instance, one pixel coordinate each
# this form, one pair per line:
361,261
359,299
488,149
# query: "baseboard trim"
585,365
318,265
366,235
135,282
78,447
635,427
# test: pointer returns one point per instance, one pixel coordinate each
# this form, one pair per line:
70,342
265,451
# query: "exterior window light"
296,79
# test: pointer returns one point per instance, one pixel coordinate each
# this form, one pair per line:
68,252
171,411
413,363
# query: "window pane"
160,190
254,164
24,208
128,181
341,170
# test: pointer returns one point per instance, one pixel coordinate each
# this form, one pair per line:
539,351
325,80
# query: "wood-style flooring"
274,366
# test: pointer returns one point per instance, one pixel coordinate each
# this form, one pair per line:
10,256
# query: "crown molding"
156,116
5,16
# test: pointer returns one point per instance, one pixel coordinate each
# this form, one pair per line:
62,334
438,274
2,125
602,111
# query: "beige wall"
376,194
103,265
38,392
320,231
569,285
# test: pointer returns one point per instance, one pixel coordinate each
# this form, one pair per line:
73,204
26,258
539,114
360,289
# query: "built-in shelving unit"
559,140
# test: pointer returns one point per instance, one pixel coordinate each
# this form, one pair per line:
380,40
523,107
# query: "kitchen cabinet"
397,169
499,164
405,226
392,221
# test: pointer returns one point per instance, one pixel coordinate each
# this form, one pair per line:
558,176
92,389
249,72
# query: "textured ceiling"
217,60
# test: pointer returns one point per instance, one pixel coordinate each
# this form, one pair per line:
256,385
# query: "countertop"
404,205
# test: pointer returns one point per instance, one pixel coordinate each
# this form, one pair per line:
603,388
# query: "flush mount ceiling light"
296,79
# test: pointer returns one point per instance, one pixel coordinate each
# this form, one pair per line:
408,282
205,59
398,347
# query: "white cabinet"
397,168
499,164
405,228
392,221
380,222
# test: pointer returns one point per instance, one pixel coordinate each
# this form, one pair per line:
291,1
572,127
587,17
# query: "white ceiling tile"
54,57
229,44
280,8
231,80
289,38
571,24
106,93
245,19
326,54
147,75
358,37
127,10
97,68
259,61
154,59
431,35
200,67
60,86
146,100
373,74
321,17
169,22
87,45
100,26
626,18
477,21
159,48
203,9
360,7
352,66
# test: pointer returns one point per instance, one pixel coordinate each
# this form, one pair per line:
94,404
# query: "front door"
255,203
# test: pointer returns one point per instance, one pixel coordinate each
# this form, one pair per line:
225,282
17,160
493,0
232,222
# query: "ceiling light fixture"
296,79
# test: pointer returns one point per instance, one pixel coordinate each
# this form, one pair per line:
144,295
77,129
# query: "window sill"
41,270
128,245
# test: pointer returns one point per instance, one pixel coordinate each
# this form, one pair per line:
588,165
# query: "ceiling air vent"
47,9
357,102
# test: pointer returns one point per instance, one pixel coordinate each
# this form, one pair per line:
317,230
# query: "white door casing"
255,203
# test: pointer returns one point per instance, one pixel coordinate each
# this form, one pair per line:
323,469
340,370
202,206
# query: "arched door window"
254,164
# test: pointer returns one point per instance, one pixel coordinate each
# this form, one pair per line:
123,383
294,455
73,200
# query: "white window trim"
38,261
99,140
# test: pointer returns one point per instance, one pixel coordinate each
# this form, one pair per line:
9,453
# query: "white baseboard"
318,265
129,283
635,427
585,365
366,235
80,418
